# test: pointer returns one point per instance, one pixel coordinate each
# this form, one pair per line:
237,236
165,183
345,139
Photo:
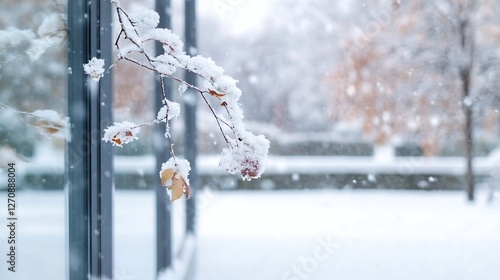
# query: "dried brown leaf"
116,140
178,187
166,175
216,94
49,128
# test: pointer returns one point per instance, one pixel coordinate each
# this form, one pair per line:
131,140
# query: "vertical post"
469,153
89,181
467,45
101,162
76,170
163,224
190,103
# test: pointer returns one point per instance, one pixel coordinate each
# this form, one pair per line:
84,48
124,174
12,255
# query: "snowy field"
321,234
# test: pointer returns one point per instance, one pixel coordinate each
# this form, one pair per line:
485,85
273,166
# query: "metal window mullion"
101,230
89,163
190,104
76,174
163,214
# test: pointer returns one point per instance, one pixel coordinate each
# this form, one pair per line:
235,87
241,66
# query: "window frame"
89,176
89,166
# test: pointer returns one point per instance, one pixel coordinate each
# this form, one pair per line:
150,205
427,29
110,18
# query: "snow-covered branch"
48,122
246,153
33,43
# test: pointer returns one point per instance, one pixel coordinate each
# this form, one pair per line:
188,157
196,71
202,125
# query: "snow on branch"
94,68
121,133
174,175
245,153
48,122
51,123
33,43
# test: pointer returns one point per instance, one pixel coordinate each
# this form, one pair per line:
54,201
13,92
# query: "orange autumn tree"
394,80
423,72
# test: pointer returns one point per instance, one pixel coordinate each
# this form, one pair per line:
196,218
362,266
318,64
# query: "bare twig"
216,117
151,66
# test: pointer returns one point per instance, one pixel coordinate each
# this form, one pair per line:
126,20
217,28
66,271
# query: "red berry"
250,168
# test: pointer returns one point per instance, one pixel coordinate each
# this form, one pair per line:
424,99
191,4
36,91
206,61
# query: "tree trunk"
467,42
468,139
469,153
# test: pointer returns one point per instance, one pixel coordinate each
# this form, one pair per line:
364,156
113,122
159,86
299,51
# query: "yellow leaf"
176,187
166,175
179,187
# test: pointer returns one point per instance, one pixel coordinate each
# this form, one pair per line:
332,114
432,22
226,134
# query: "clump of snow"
48,115
51,32
145,18
121,133
227,85
205,67
172,43
94,68
50,123
166,65
246,155
13,37
179,166
168,112
38,47
53,26
125,50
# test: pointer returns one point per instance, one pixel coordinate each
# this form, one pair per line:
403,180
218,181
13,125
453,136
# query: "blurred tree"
384,87
421,70
283,66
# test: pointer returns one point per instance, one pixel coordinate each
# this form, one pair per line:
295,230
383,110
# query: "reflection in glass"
33,76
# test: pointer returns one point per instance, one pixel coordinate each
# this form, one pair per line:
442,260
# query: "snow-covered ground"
349,235
300,234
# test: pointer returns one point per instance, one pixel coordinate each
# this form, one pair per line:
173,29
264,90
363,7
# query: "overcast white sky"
237,15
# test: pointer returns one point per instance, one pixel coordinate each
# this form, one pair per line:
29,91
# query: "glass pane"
33,77
372,109
134,201
135,172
